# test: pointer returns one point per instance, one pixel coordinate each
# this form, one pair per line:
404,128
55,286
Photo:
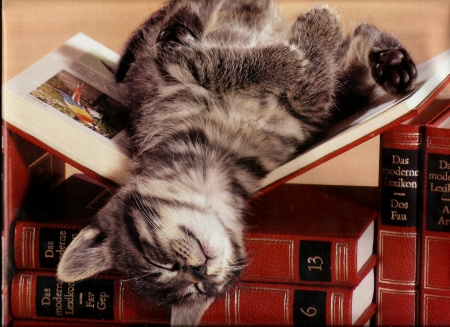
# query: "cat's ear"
129,56
189,315
86,256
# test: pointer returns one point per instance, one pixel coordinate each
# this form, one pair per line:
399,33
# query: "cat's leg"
373,63
319,36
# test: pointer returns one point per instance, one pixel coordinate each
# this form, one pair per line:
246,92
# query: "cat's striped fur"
222,92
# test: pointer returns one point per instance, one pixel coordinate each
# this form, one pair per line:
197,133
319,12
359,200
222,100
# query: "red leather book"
37,295
435,276
398,228
41,237
28,173
309,234
52,323
399,223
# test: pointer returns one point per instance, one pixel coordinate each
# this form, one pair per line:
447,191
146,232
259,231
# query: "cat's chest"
258,115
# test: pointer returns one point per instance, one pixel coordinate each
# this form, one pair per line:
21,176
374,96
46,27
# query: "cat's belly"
260,127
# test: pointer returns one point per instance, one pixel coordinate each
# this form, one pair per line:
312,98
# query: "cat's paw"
319,28
393,69
183,28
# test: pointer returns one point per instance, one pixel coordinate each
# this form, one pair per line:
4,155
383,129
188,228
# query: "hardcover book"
41,237
400,209
38,295
68,103
299,234
308,234
435,277
29,173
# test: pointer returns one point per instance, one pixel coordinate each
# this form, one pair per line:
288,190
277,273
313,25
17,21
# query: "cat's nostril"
199,270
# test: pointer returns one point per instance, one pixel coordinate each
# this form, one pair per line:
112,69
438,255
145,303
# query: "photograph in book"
84,103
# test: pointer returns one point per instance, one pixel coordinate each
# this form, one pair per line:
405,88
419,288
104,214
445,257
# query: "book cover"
38,295
400,210
92,139
435,278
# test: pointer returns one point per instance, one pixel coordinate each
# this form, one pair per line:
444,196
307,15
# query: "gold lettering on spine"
28,238
341,259
25,301
337,309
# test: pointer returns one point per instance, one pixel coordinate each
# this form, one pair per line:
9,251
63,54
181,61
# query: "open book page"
370,120
74,85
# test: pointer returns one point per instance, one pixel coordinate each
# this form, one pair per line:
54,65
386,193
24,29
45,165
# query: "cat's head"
175,254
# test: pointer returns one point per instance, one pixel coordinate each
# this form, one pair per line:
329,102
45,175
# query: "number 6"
310,312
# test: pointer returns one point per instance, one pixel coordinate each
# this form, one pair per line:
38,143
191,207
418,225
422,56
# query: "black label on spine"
400,185
89,299
438,193
310,308
315,261
52,244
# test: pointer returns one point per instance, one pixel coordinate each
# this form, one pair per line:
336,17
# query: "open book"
69,104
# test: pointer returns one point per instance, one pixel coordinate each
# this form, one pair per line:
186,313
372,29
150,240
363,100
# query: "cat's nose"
199,270
195,274
198,273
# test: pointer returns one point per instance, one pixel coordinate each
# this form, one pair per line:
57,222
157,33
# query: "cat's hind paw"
393,69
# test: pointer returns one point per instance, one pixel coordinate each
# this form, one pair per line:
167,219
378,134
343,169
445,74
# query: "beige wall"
33,28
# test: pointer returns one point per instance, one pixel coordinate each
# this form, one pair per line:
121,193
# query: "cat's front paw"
393,69
318,30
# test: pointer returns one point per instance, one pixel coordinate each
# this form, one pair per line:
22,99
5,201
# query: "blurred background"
32,28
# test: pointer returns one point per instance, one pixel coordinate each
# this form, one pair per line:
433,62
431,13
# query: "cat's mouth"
200,287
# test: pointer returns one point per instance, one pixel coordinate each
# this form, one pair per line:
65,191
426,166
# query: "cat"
221,93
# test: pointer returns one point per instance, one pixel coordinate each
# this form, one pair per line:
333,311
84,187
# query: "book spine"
52,323
435,280
38,295
301,259
28,172
398,226
40,245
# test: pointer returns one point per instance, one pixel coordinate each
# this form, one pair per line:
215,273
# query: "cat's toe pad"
393,70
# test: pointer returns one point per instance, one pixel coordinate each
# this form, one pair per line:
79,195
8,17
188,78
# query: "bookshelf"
42,26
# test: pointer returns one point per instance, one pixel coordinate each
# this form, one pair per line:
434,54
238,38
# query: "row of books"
413,280
311,262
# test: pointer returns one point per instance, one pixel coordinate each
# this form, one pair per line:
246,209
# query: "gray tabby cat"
222,92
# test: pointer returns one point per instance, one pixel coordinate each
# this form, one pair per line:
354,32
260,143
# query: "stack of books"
303,270
413,283
310,255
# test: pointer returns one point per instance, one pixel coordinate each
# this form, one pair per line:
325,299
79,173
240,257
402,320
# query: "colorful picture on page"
84,103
